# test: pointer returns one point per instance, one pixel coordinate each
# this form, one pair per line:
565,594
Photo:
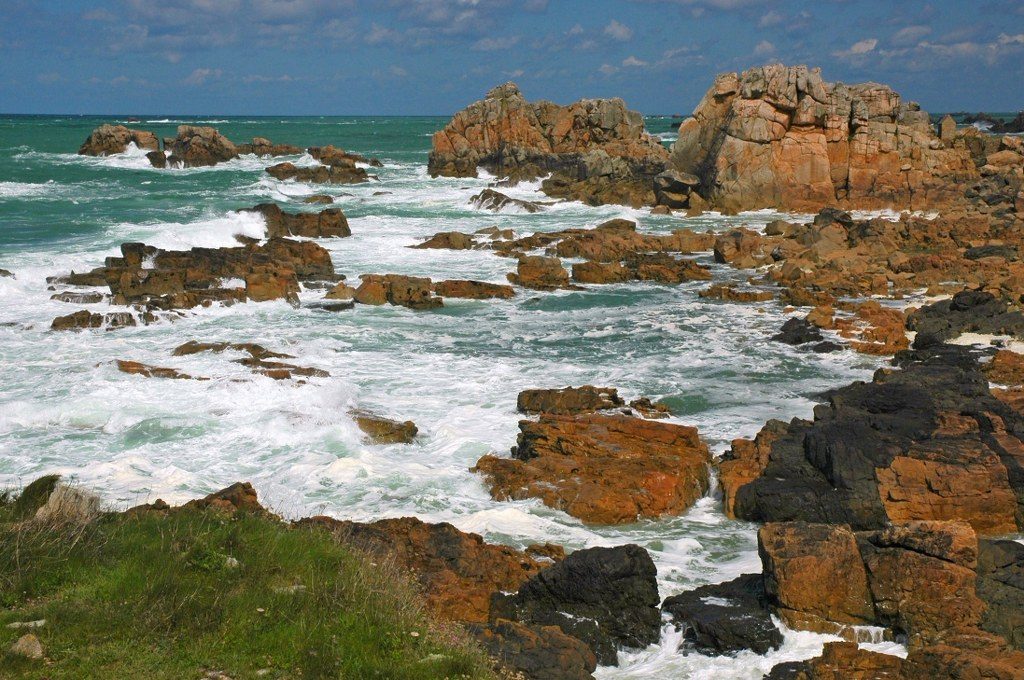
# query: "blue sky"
336,57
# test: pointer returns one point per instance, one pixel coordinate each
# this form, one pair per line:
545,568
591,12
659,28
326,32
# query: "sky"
432,57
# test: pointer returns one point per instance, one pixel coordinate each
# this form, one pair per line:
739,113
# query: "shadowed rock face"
107,140
606,597
778,136
926,442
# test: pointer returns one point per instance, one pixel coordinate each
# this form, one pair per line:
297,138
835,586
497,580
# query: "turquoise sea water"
456,371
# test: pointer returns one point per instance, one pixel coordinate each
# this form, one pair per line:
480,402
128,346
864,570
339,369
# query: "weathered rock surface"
319,174
407,291
969,311
199,146
239,497
107,140
597,149
324,224
261,146
540,273
726,618
449,240
603,469
729,293
1000,586
569,400
458,571
495,201
84,319
381,430
778,136
473,290
536,652
606,597
137,368
925,442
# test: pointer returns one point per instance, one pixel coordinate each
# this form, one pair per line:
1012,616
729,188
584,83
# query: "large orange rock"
603,469
111,139
781,137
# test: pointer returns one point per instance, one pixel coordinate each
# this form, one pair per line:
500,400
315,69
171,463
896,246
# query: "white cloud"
771,18
618,31
1005,39
632,61
575,30
398,71
608,69
202,75
857,50
764,48
910,35
494,44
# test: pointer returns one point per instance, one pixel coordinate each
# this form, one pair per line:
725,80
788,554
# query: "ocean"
455,371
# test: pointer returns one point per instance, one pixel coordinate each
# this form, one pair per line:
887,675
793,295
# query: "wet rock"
980,252
648,409
320,174
136,368
730,293
407,291
78,298
279,370
569,400
158,159
600,272
332,155
474,290
925,442
84,319
726,618
449,240
261,146
540,273
841,660
495,201
107,140
603,469
253,350
457,571
338,306
341,291
969,311
240,497
382,430
327,223
606,597
319,198
672,188
536,652
199,146
6,274
798,332
743,248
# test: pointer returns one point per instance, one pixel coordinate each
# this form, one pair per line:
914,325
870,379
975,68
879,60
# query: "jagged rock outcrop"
606,597
414,292
198,146
925,442
597,149
921,580
473,290
536,652
107,140
261,146
319,174
381,430
778,136
602,468
324,224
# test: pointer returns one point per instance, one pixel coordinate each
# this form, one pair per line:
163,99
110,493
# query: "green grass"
155,596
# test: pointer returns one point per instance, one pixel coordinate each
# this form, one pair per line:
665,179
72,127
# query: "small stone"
26,624
28,646
231,563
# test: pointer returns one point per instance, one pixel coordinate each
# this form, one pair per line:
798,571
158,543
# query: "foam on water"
454,371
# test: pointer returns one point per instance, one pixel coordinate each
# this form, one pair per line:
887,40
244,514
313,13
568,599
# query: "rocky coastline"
890,512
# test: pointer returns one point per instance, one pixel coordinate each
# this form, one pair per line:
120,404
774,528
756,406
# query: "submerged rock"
382,430
319,174
492,200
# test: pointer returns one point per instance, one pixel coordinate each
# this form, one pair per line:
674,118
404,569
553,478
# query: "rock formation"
781,137
601,468
324,224
597,149
111,139
198,146
925,442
